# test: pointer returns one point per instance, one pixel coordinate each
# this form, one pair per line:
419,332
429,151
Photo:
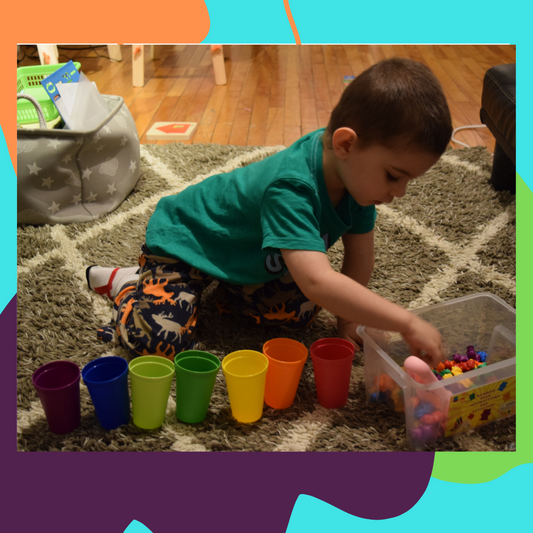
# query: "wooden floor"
276,94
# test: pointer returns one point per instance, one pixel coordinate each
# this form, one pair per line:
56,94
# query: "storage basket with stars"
66,176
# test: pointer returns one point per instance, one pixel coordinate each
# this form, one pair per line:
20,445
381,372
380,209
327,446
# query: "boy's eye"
390,177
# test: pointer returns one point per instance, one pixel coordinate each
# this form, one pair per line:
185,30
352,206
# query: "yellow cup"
245,372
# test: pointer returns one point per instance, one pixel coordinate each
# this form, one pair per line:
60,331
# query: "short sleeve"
290,214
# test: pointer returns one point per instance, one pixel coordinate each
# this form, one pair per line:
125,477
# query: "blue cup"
107,381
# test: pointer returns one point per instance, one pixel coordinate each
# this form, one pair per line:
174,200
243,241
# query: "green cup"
196,372
151,378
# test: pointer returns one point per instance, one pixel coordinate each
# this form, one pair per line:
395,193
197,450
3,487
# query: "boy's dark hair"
395,100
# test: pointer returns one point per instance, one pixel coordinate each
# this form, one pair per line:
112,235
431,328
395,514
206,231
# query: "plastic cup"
332,367
151,377
107,381
332,341
196,372
286,359
245,372
58,386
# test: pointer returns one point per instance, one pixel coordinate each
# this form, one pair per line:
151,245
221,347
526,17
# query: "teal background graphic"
499,505
8,224
137,527
493,490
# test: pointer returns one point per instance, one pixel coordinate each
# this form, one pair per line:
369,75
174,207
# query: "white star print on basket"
66,176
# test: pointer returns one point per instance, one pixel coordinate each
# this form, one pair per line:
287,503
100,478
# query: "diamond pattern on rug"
451,235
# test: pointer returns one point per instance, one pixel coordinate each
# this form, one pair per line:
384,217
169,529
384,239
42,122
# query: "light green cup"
151,377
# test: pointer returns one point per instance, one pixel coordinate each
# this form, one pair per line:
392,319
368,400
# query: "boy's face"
376,175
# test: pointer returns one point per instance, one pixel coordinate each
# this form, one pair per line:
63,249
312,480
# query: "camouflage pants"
157,315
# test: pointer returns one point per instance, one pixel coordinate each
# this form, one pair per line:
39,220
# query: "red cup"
332,367
58,386
332,341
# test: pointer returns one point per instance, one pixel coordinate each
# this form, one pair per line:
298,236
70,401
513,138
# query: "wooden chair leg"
155,51
138,65
217,55
114,52
48,54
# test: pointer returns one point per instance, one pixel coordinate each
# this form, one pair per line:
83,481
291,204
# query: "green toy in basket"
29,82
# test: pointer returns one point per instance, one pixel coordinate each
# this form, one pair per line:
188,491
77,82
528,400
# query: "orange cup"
286,359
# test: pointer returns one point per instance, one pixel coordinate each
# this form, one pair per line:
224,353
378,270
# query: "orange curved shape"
101,21
291,22
176,21
168,353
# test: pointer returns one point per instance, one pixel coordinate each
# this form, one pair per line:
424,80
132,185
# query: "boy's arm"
349,300
358,265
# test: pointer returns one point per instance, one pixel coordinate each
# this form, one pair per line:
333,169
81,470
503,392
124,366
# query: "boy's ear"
344,141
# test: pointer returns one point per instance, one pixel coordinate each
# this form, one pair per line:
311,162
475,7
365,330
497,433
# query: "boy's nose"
399,190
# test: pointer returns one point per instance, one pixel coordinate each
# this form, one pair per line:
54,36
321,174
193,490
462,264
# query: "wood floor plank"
274,136
509,52
258,121
274,93
366,57
292,117
322,95
354,59
399,50
377,53
221,133
450,87
463,78
241,124
469,137
291,134
163,114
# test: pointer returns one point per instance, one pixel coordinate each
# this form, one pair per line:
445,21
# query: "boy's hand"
348,330
423,337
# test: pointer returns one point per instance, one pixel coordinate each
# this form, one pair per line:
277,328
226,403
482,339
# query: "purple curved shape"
193,490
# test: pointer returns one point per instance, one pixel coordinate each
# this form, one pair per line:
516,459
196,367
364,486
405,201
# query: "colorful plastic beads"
424,408
433,418
460,363
423,434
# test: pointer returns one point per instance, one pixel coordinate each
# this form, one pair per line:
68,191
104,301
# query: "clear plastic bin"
462,402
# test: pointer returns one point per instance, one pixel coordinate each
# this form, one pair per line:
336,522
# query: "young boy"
263,231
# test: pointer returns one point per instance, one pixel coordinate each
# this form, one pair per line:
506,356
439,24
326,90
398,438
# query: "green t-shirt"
232,226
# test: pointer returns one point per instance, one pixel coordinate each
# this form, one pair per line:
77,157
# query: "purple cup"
58,386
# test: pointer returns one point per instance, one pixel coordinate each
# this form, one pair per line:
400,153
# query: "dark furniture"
498,113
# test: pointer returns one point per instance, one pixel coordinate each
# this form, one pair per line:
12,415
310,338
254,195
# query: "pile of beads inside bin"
429,422
460,364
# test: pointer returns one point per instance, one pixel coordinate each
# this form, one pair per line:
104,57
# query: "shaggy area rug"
450,236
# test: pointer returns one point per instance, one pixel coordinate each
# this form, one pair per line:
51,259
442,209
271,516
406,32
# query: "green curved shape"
480,467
